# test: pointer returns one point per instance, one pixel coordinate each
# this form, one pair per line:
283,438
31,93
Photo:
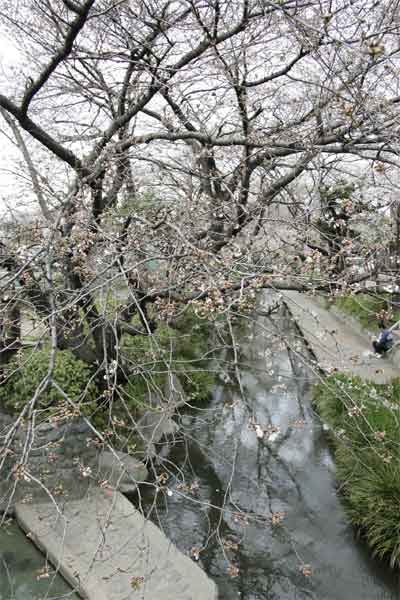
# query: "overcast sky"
8,153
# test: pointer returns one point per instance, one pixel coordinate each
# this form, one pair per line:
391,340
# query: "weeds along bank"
364,420
370,308
56,446
186,350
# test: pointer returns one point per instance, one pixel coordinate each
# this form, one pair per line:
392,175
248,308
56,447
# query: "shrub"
198,385
137,390
183,349
27,371
364,418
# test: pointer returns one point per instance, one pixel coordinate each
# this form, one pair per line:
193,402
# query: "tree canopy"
189,153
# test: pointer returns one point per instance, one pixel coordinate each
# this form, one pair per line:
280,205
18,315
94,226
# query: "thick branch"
42,136
61,55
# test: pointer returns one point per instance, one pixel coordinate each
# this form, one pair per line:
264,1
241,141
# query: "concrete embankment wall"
51,458
106,550
63,486
337,344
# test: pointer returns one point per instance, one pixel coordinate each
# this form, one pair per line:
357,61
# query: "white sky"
9,60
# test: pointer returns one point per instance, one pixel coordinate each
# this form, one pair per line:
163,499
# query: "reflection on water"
253,489
24,573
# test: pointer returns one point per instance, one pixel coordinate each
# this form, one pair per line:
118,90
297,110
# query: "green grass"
364,418
366,307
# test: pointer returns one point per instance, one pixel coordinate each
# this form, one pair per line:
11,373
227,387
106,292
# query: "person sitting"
384,342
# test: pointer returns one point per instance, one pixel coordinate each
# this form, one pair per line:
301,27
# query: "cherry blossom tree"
176,154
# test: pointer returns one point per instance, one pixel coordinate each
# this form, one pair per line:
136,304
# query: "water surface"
251,486
24,572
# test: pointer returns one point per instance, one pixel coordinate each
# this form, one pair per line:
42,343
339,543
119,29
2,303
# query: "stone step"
106,550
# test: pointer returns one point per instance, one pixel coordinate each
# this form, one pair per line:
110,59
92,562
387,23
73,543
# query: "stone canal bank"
337,343
106,550
64,486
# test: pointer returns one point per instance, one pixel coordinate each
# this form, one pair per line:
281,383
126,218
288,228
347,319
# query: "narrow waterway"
250,488
24,572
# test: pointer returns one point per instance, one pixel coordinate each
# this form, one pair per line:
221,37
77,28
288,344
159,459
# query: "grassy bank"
367,308
364,418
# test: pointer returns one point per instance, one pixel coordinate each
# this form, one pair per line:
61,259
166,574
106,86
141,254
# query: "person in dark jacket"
384,341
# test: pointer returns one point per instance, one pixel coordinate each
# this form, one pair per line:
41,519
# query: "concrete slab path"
107,551
336,342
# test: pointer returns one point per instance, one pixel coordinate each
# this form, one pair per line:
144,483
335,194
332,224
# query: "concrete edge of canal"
106,550
337,344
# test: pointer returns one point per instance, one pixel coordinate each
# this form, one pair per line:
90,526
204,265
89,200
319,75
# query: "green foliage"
364,418
139,204
332,195
140,388
198,384
26,372
184,350
194,355
366,307
339,206
192,336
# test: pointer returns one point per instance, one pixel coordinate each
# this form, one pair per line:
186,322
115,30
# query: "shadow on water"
23,570
260,512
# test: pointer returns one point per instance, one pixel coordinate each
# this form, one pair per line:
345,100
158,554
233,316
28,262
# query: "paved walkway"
337,343
107,551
